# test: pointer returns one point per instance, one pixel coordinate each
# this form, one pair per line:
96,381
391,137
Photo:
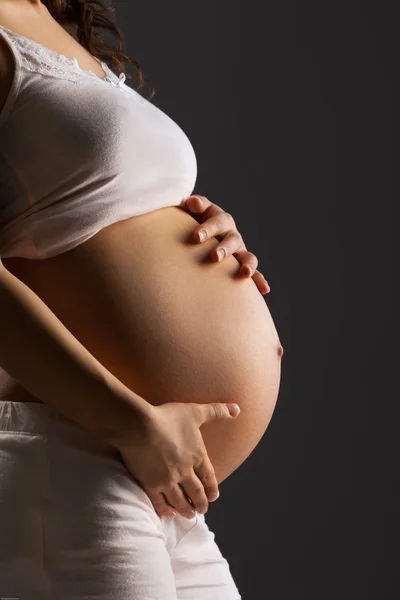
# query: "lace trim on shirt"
39,59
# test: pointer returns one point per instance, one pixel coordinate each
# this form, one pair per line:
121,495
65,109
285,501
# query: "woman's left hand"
220,224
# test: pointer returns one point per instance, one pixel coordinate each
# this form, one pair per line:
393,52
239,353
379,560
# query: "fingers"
160,504
220,223
188,496
197,204
233,244
195,490
192,493
248,261
176,497
191,487
206,474
214,411
261,283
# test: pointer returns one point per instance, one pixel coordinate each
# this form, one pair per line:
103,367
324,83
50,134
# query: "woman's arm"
39,352
160,446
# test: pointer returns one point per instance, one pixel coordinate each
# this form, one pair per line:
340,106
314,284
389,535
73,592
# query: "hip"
85,527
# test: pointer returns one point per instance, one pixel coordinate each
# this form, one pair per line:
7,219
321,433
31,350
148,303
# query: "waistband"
25,417
36,418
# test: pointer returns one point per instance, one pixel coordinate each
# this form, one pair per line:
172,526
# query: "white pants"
75,525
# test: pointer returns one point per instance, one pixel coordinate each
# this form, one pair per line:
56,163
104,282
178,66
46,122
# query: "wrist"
130,418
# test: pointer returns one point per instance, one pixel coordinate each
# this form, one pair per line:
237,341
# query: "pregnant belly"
173,326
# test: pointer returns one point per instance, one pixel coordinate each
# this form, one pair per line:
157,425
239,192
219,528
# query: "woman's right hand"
168,458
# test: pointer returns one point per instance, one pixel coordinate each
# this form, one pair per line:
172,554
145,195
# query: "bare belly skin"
173,326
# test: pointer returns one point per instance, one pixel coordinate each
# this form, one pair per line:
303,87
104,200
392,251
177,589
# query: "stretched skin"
151,306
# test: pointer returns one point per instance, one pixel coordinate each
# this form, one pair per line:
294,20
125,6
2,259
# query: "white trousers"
75,525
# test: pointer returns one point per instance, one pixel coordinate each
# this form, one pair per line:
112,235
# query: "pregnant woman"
124,343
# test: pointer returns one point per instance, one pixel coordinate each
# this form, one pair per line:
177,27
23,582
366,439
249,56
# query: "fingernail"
234,409
202,235
221,253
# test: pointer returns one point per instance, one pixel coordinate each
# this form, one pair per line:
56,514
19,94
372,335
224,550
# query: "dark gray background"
288,106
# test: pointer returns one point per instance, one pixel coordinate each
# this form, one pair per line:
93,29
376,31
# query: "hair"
89,16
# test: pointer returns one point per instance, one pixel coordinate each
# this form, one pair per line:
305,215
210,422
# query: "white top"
78,153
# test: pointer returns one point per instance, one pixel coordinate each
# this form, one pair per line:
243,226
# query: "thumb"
216,411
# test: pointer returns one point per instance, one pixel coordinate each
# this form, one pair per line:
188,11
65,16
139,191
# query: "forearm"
39,352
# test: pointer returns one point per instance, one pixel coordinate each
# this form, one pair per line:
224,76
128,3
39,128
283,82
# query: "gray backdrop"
288,106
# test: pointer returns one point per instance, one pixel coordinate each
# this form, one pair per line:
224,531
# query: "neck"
34,4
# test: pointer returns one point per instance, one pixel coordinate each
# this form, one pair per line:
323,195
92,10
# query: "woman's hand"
220,224
168,458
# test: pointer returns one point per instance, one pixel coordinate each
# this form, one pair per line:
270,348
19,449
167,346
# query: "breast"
149,304
118,156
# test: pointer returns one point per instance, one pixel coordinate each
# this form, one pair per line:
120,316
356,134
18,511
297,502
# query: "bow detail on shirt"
122,78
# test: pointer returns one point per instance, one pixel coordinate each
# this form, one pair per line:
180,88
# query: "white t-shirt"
78,153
